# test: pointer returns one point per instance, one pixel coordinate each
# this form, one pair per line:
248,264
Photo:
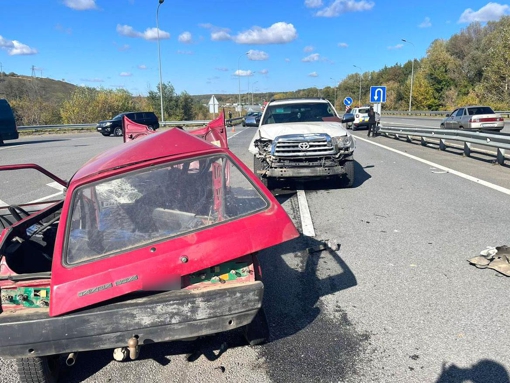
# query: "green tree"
495,84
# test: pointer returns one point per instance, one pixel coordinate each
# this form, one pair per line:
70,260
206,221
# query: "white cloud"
398,46
243,73
257,55
222,69
339,7
220,36
308,49
217,33
184,52
313,74
185,38
15,48
264,71
489,12
149,34
287,60
80,5
123,48
425,23
343,45
125,74
278,33
313,57
142,66
313,3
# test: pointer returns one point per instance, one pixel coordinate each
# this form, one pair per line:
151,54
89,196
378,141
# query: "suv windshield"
305,112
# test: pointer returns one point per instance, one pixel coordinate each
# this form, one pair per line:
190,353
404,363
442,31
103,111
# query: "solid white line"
304,212
56,185
3,204
454,172
45,198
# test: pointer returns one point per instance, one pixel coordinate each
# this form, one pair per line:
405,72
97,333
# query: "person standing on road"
371,121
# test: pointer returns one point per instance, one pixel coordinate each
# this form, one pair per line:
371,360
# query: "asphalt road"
398,302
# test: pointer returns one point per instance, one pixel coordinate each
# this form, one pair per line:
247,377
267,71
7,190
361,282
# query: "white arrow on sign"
375,93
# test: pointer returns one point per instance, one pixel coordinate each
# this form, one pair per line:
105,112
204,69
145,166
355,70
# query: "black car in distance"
114,126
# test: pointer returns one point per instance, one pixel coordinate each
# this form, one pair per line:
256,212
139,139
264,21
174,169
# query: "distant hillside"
14,86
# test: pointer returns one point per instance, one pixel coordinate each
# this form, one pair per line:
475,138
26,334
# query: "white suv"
361,118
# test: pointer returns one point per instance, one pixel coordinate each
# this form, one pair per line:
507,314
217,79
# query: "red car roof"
173,142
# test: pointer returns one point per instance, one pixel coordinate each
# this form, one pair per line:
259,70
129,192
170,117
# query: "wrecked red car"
155,240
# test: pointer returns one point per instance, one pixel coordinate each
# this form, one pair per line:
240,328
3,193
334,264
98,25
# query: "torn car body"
156,239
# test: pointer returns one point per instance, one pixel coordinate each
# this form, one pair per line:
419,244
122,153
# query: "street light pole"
331,78
159,58
239,82
412,75
359,97
252,86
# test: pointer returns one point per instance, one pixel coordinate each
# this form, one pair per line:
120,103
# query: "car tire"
347,179
441,126
106,134
117,132
150,127
44,369
258,165
257,332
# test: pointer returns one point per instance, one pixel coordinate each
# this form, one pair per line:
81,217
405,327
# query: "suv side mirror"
348,117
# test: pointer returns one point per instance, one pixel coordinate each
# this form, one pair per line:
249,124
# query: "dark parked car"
252,119
8,129
114,126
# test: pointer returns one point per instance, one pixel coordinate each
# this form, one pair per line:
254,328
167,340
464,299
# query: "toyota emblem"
304,145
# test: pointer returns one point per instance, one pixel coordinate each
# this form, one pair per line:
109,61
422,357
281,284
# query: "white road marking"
45,198
3,204
56,185
304,212
437,166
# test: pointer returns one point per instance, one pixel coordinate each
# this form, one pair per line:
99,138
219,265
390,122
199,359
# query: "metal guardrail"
69,126
161,123
431,113
498,141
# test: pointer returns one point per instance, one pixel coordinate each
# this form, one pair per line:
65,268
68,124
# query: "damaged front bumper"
158,317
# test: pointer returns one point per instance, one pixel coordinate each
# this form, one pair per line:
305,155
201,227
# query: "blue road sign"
377,94
347,101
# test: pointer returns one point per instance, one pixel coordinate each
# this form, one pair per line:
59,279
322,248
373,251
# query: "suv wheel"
347,179
117,132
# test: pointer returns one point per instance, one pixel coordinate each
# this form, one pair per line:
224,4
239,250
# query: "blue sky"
209,46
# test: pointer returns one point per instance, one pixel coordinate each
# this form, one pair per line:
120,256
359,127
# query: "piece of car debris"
495,258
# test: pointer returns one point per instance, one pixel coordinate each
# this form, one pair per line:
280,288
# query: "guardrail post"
467,149
409,139
442,144
423,142
501,156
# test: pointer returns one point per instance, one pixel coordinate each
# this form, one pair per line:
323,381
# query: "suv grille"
302,145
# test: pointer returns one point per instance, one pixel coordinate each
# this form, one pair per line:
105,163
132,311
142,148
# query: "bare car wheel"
117,132
44,369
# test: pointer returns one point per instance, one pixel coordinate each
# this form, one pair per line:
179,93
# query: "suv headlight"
107,124
343,141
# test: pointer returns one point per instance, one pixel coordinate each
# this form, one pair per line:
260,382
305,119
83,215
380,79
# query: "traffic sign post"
377,94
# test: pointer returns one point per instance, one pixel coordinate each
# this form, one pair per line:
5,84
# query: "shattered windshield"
154,204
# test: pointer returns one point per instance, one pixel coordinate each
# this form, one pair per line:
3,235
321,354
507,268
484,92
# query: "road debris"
495,258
